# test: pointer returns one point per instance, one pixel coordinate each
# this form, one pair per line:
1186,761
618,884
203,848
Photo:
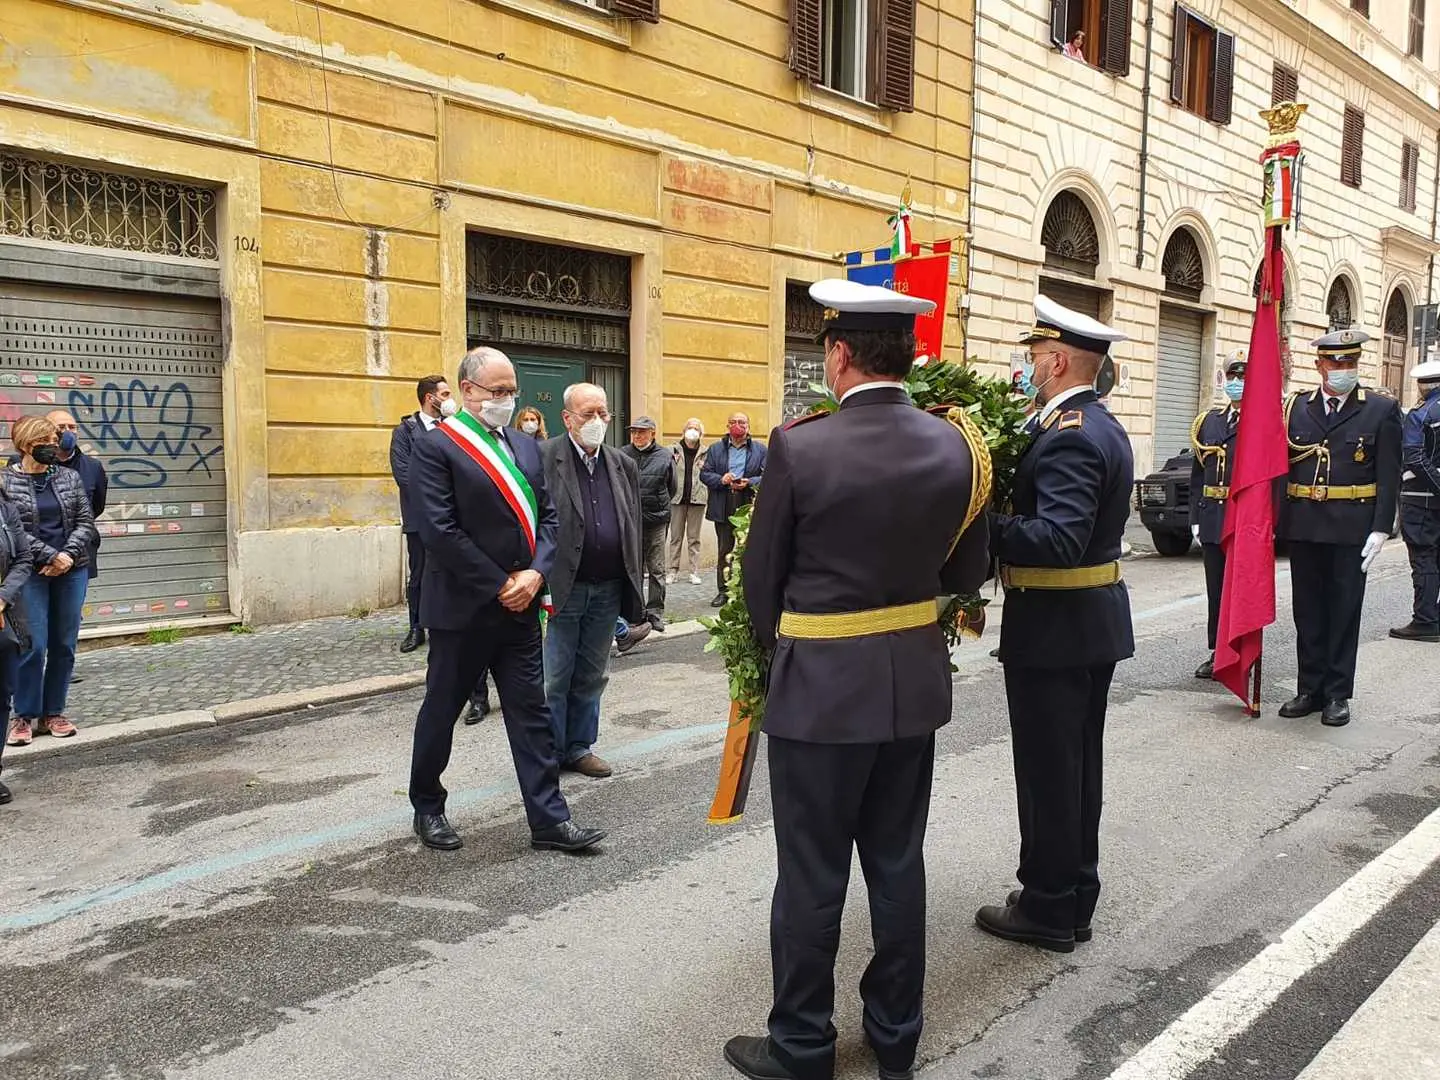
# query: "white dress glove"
1195,532
1373,543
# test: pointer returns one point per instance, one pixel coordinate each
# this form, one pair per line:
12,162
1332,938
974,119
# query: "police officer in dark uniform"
1420,504
1339,506
1213,438
866,517
1066,624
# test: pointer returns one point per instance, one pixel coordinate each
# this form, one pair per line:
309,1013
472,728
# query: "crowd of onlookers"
629,522
50,495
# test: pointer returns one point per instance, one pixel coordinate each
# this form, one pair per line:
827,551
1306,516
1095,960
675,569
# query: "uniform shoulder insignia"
804,419
1073,419
1383,391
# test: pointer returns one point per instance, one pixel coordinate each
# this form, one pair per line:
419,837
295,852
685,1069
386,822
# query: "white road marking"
1229,1010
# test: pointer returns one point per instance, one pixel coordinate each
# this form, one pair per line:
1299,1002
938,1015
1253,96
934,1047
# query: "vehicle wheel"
1171,543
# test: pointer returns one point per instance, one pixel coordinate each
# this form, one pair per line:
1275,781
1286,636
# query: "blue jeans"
577,654
52,609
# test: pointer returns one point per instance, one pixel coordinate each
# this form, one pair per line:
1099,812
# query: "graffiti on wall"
146,432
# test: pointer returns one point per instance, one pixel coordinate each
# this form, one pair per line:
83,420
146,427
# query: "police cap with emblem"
850,305
1429,371
1340,344
1055,322
1235,365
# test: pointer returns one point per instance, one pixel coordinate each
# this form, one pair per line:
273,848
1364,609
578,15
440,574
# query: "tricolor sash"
483,448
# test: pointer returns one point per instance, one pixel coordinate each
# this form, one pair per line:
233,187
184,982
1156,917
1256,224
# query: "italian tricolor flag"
483,448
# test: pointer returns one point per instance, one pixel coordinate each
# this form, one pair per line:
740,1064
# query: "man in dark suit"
598,572
436,403
1213,438
1066,624
864,520
1339,506
488,526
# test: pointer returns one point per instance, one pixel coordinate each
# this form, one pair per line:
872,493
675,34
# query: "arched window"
1182,266
1395,347
1069,236
1340,305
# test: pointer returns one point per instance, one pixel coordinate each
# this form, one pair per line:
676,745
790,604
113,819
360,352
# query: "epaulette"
1073,419
1383,391
804,419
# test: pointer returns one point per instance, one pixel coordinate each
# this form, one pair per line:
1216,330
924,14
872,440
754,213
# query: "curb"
233,712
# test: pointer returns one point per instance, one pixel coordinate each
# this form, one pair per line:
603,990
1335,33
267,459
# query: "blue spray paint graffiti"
118,424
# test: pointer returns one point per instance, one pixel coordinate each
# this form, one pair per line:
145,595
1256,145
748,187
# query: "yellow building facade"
376,185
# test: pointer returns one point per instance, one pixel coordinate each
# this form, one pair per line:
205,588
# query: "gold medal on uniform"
1360,451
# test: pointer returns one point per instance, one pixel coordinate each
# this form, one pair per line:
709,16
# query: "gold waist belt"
853,624
1054,577
1327,492
1210,491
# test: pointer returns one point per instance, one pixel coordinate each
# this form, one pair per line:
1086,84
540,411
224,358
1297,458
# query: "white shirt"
888,384
429,421
1060,399
1326,395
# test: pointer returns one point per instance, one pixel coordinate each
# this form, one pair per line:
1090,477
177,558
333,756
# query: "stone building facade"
1143,205
235,234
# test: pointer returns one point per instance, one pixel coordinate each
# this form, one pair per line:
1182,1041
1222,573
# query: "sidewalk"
135,691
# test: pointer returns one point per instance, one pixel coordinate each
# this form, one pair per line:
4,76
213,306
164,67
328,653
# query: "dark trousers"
654,551
1057,732
510,649
827,800
9,666
416,550
725,540
1214,556
1420,526
1328,589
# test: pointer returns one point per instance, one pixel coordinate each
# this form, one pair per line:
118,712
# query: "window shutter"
895,73
648,10
805,36
1115,36
1409,174
1352,146
1222,81
1059,21
1361,6
1178,51
1284,84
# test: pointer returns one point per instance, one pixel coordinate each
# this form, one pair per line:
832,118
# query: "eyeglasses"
592,414
498,391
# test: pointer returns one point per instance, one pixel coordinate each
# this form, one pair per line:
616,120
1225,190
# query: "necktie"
590,463
1334,405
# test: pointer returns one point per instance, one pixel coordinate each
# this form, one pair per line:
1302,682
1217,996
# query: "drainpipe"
1144,136
969,239
1425,346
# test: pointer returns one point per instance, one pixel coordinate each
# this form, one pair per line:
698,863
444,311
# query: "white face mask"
692,436
449,407
497,411
530,427
592,433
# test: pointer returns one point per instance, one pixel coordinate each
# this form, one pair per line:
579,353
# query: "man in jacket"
657,487
1213,438
92,473
1420,504
489,529
732,471
597,575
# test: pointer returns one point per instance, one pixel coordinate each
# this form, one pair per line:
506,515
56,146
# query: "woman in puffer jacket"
15,569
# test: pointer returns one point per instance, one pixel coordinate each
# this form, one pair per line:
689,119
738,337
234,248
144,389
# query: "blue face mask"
1342,380
1234,389
68,442
1026,383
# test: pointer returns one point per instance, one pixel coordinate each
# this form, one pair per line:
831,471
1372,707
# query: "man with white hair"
489,529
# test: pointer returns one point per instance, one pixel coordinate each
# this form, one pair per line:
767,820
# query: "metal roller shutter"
1076,297
1177,380
141,374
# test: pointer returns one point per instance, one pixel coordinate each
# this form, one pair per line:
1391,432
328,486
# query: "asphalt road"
249,901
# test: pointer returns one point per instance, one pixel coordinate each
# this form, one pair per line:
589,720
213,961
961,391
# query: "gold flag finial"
1283,119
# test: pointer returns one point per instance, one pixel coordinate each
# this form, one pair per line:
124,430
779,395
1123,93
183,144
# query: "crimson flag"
1247,602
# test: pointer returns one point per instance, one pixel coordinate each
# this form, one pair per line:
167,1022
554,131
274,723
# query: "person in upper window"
1075,47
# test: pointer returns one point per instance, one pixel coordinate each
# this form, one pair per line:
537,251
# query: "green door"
542,383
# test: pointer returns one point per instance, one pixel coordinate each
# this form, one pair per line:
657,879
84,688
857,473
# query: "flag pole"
1254,709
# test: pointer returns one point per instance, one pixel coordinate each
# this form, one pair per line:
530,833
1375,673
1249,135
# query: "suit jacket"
1367,427
859,511
1218,427
1070,501
561,462
472,538
402,439
724,501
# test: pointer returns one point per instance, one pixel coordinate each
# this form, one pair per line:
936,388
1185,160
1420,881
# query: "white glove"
1373,543
1195,532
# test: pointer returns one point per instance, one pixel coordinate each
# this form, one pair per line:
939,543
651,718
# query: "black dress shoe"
413,640
567,836
754,1056
1012,925
1336,714
1414,631
1206,670
719,600
1300,705
1082,933
435,832
5,795
657,623
478,711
